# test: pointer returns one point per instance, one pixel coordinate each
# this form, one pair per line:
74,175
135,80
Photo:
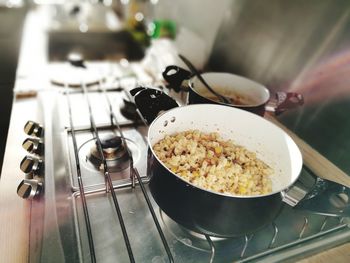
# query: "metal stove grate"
245,250
108,182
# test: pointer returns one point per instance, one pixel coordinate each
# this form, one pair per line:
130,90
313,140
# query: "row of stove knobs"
32,165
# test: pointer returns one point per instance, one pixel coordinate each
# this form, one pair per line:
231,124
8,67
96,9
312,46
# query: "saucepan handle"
319,196
175,75
151,102
284,101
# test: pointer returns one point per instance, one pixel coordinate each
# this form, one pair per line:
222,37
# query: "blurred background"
301,46
11,24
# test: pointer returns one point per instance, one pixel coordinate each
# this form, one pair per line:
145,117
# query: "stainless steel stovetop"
80,218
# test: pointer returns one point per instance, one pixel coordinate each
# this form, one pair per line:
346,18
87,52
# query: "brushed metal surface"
65,236
299,46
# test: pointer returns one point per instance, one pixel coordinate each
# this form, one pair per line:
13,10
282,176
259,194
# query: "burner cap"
111,142
114,152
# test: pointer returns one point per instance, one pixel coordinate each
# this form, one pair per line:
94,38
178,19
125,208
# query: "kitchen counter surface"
14,211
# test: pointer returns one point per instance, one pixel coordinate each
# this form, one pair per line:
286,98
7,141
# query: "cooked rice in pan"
207,161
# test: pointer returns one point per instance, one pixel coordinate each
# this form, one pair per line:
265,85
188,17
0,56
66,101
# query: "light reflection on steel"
328,81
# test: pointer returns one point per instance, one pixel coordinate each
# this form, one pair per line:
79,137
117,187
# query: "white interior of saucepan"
271,144
229,85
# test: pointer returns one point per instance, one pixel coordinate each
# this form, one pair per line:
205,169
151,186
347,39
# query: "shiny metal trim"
109,184
302,249
134,173
212,248
80,182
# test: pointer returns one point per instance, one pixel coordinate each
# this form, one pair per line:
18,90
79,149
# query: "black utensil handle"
175,75
199,76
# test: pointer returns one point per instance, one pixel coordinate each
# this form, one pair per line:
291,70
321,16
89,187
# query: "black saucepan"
242,93
214,213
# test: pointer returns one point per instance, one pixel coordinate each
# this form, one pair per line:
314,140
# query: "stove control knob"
33,145
29,188
34,129
31,164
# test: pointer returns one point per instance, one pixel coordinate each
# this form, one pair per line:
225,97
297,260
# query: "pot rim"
242,112
237,77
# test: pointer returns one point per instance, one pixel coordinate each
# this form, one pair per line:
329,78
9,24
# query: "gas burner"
65,74
114,152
